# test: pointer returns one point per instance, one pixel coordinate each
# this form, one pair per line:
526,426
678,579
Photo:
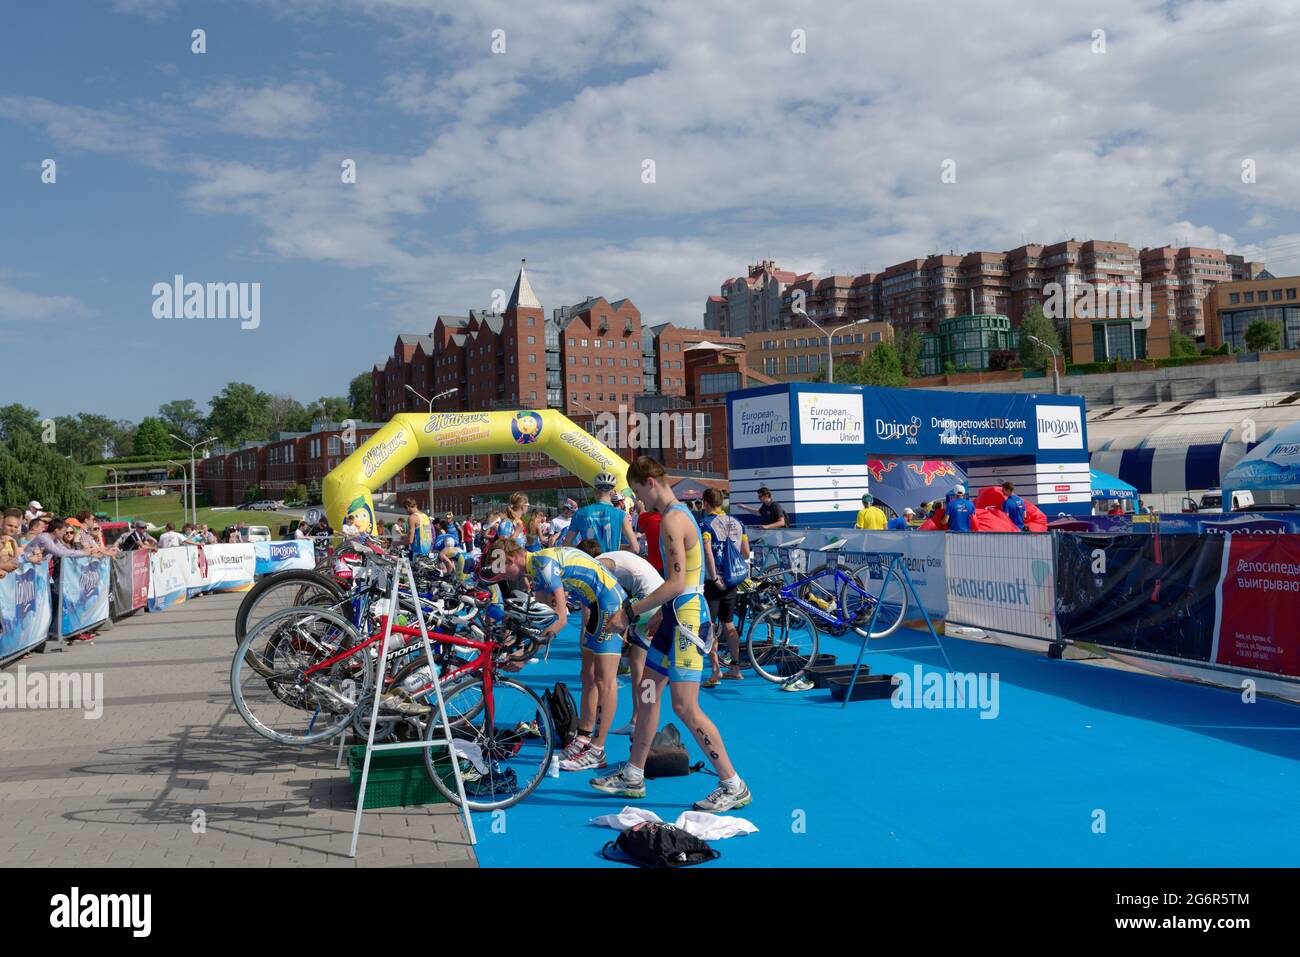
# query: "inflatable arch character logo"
348,488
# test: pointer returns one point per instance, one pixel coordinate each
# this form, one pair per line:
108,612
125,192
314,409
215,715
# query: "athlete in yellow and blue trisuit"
681,641
590,584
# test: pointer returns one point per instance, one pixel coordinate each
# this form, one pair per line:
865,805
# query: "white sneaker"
629,728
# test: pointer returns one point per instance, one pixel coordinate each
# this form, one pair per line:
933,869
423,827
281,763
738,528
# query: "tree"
182,417
1036,324
87,436
881,366
1181,344
151,438
16,420
1263,336
908,343
240,412
32,469
361,396
287,414
330,409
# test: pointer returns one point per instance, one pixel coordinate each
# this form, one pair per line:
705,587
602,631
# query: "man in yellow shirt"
870,517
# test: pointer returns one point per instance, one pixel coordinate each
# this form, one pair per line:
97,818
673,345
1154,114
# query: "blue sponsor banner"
26,608
281,556
84,587
1217,523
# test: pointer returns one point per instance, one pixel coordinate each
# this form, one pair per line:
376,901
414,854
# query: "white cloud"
287,111
19,306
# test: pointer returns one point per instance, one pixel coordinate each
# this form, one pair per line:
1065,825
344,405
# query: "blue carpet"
876,785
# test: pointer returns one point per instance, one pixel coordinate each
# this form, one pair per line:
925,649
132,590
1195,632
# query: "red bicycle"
302,675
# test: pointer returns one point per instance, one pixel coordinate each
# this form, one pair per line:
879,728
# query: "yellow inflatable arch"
347,489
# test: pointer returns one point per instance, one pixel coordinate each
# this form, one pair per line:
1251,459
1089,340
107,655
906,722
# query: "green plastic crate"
397,778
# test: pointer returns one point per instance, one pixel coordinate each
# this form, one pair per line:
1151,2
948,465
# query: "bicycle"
313,661
828,599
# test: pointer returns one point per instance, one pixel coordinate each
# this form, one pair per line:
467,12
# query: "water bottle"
555,766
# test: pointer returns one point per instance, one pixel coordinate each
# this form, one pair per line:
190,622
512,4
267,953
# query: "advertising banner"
196,570
1002,583
1260,605
231,567
279,556
1147,593
26,609
759,421
84,586
1217,523
168,572
130,582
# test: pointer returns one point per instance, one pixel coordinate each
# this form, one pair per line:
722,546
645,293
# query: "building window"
1234,298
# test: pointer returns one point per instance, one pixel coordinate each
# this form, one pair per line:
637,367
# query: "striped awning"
1175,468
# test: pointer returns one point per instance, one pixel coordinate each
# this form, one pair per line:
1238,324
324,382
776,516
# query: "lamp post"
117,511
194,501
1056,376
431,401
830,356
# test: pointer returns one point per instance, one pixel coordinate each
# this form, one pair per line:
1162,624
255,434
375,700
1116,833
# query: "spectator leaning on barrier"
34,509
137,538
170,538
300,532
11,526
53,541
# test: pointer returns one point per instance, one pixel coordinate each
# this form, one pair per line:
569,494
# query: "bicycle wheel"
781,642
503,757
282,590
862,591
266,676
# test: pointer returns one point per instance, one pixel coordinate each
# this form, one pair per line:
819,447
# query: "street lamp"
1056,376
830,356
117,511
194,500
431,401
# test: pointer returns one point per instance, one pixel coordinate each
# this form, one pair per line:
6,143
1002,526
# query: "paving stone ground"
121,791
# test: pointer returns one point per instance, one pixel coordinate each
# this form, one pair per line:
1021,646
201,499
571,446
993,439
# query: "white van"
258,533
1212,501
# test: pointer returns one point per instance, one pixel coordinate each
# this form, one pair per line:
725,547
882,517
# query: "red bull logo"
931,470
878,468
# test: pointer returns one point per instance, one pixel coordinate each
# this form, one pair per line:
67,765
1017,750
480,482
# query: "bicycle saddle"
793,542
834,546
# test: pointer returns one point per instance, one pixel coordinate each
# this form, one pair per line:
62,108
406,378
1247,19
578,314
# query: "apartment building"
795,355
1231,307
749,303
665,347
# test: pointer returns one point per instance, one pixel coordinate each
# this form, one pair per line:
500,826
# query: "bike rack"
895,561
381,667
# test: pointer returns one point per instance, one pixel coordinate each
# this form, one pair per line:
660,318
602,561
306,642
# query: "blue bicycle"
782,640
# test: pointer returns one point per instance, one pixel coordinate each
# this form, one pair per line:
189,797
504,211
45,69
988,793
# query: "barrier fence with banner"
168,578
130,576
26,609
1001,583
83,594
275,557
923,553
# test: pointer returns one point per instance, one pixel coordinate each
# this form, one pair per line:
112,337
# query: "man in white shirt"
34,509
170,538
560,524
638,578
301,531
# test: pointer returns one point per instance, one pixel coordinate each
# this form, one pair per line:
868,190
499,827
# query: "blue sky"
224,166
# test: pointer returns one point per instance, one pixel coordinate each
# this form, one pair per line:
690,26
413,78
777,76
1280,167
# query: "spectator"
11,526
959,511
208,537
560,524
397,534
34,509
137,538
718,528
770,513
170,538
647,524
1013,505
232,535
870,517
902,523
301,531
55,541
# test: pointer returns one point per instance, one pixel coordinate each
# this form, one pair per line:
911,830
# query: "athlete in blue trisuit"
446,545
1014,505
959,510
603,521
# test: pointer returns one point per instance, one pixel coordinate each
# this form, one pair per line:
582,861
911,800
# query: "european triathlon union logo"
526,427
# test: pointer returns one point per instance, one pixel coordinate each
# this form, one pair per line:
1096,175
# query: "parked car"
257,533
266,505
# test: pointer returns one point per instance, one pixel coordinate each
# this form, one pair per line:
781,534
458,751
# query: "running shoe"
400,702
617,784
723,800
629,728
589,759
574,749
798,683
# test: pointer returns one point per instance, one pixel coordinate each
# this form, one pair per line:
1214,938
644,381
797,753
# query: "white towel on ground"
702,824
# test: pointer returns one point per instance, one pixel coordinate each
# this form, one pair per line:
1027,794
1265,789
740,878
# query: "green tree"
361,396
16,420
1036,324
330,409
87,437
1263,336
32,469
908,344
151,438
881,366
240,412
288,415
1181,344
183,417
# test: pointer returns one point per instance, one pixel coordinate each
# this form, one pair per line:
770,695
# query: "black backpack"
668,757
563,711
656,844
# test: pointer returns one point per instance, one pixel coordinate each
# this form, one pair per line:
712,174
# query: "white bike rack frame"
381,668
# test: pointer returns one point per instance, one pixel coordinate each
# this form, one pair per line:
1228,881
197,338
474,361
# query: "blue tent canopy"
1273,463
1108,486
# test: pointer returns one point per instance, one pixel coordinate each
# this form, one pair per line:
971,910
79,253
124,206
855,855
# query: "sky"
625,149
